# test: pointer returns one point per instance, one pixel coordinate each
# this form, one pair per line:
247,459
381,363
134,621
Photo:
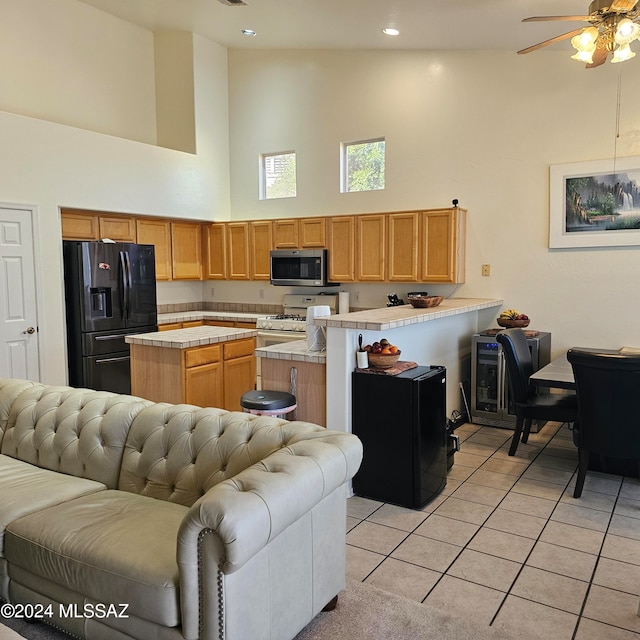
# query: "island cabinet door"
239,377
203,385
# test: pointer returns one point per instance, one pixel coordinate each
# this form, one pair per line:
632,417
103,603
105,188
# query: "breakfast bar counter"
433,336
404,315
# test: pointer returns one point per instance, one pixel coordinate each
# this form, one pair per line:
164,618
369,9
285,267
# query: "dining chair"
529,405
607,386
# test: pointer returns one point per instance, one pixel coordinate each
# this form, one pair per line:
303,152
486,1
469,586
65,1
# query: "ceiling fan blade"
564,36
623,5
599,55
548,18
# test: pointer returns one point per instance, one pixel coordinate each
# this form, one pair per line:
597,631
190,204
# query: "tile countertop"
293,350
193,337
229,316
394,317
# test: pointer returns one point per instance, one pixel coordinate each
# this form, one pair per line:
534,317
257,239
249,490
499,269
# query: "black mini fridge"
401,421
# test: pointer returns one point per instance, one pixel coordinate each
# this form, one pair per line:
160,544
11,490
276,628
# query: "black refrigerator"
401,421
110,292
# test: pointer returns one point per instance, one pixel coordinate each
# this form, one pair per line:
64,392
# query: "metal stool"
268,403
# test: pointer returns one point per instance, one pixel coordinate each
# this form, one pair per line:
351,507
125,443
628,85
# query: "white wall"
49,165
482,127
63,61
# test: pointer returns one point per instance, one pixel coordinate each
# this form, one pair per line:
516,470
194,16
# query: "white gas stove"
291,324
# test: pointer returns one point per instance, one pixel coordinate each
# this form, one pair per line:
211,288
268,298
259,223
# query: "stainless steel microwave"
299,267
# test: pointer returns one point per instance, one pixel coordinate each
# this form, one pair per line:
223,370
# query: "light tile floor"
506,543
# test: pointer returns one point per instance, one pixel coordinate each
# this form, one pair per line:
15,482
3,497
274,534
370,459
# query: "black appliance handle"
128,283
113,337
107,360
123,284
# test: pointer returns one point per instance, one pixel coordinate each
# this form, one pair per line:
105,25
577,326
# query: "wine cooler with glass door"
491,397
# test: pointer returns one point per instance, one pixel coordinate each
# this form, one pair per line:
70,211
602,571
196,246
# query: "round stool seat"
268,403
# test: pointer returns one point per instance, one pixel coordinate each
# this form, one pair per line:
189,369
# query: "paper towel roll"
343,302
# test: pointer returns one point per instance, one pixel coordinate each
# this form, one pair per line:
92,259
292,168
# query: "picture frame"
595,203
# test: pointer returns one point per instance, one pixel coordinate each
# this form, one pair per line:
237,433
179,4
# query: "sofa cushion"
113,546
25,488
80,432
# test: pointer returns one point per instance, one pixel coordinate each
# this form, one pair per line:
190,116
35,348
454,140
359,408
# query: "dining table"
559,374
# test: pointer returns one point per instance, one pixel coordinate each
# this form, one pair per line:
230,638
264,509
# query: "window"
362,165
278,175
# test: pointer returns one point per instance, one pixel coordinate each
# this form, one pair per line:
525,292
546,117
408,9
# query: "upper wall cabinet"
442,245
77,225
186,250
402,246
157,233
118,228
215,251
261,241
286,233
313,233
238,251
342,249
371,248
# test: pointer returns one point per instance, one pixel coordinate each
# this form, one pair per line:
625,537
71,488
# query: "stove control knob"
269,325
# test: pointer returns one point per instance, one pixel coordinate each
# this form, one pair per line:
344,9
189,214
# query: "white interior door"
18,312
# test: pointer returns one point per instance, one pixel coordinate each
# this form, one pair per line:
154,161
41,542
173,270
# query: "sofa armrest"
239,516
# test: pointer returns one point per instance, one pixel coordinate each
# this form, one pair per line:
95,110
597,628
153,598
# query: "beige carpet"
365,612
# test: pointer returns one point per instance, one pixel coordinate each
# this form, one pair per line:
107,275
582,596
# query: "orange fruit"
393,349
386,351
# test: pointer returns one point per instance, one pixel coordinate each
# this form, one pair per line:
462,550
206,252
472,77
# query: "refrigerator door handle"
128,283
106,360
123,284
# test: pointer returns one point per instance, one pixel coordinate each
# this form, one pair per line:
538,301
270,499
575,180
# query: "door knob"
30,330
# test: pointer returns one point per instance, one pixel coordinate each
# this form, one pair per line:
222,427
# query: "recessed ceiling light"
389,31
248,32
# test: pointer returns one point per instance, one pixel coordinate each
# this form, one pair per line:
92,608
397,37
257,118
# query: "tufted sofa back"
10,389
75,431
178,452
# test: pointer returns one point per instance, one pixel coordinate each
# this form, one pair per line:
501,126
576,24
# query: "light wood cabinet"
118,228
285,234
239,371
170,326
313,233
371,244
215,251
261,242
186,251
77,225
402,247
311,386
341,249
157,233
442,245
203,376
238,250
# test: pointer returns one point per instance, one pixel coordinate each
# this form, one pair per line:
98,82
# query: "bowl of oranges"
383,354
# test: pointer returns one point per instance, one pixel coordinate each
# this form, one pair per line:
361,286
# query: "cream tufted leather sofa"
121,518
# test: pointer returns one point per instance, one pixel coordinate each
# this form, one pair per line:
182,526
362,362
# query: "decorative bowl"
420,300
510,323
383,360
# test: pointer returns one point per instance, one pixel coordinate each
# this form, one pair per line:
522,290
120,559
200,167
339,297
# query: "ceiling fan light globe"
622,53
583,56
626,31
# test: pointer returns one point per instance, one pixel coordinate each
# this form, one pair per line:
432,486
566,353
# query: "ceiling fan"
613,25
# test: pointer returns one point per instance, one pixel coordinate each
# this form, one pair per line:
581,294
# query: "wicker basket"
511,323
422,302
383,360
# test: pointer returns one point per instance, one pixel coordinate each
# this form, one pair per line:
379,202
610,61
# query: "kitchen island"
437,336
206,366
291,367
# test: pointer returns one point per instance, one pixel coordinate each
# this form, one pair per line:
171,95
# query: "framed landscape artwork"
595,204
